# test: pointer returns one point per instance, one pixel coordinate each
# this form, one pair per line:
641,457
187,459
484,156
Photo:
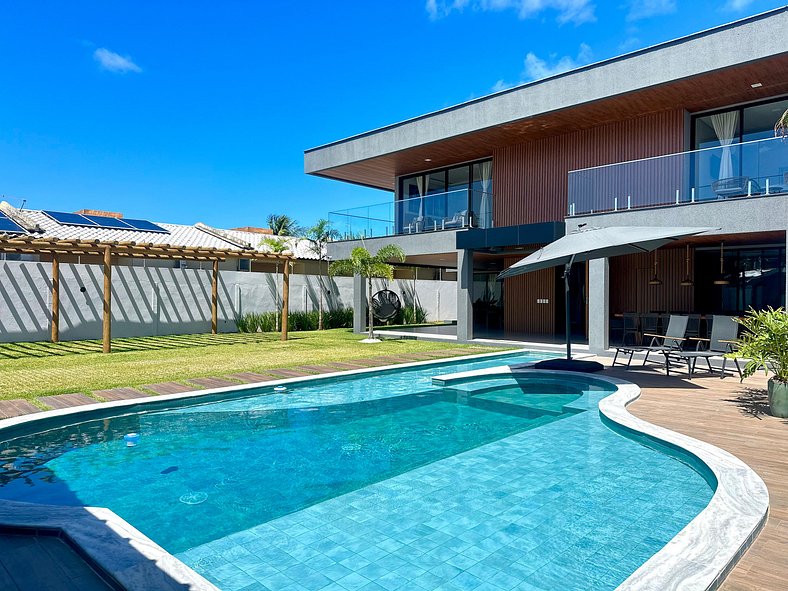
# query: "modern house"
678,134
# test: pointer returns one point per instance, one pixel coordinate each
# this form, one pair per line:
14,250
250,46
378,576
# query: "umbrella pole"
567,310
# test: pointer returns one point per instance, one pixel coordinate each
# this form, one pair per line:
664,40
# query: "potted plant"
764,344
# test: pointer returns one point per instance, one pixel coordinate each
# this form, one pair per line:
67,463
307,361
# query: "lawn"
28,370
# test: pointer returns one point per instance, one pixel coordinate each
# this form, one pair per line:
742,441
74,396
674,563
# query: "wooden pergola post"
285,298
107,320
215,297
55,299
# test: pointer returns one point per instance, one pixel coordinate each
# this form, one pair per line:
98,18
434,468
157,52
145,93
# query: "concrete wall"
159,300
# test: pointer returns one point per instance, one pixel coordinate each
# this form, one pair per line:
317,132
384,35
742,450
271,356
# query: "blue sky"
200,111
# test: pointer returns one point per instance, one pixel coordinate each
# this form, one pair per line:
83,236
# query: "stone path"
19,407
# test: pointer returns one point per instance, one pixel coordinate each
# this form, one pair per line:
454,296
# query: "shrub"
764,342
296,321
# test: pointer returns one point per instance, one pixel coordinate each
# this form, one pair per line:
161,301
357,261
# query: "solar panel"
100,221
145,226
108,222
70,219
9,226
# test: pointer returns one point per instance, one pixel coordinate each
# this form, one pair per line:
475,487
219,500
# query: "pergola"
57,248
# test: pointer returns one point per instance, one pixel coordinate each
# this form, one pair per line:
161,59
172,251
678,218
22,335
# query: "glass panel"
763,162
436,182
458,178
714,165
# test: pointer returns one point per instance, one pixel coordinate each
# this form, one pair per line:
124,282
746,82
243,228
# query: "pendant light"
722,280
655,280
687,281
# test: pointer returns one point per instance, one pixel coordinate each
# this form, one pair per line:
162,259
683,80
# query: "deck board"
67,400
16,408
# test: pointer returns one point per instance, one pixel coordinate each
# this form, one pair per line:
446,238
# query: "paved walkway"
19,407
733,416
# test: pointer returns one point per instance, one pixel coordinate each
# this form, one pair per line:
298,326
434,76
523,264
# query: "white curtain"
420,187
726,126
485,215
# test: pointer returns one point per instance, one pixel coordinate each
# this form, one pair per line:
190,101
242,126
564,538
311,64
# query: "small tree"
276,246
361,262
764,342
282,225
317,236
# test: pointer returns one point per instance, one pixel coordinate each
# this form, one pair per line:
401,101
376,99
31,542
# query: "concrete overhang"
706,70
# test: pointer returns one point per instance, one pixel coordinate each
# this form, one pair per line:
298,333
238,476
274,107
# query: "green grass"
28,370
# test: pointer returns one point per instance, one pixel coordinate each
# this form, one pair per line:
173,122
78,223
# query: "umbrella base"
570,365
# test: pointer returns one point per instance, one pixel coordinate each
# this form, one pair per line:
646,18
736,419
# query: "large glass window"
753,277
448,198
728,167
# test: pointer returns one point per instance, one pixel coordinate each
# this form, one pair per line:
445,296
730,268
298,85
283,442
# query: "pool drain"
194,498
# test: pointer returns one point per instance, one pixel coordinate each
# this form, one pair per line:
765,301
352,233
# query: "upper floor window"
735,154
458,196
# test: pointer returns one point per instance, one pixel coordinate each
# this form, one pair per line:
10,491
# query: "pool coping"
704,552
699,557
108,541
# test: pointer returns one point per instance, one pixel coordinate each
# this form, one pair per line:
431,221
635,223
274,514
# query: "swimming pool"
378,477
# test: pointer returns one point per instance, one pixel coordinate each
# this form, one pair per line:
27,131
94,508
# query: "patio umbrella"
585,244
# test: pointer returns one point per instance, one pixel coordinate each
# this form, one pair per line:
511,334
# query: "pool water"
381,477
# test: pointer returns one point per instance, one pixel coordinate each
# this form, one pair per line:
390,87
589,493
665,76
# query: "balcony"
746,170
452,210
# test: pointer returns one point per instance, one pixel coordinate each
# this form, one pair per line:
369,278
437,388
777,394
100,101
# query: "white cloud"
114,62
737,4
536,68
574,11
640,9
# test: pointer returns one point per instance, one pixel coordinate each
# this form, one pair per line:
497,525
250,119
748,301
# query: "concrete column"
464,295
598,305
359,304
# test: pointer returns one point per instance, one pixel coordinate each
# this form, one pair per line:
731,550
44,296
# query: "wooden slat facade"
521,314
630,291
530,179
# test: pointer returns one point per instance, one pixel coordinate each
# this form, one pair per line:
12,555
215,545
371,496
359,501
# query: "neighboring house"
160,296
678,134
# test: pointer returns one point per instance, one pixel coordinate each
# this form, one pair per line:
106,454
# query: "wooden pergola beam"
55,323
215,297
106,324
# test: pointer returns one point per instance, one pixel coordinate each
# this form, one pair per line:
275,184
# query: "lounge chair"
672,340
735,186
724,331
458,220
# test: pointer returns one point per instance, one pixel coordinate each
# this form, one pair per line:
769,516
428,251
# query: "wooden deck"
733,416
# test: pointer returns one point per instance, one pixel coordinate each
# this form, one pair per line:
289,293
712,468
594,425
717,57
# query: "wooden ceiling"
699,93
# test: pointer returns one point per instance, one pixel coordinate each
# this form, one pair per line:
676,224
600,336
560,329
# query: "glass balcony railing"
452,210
749,169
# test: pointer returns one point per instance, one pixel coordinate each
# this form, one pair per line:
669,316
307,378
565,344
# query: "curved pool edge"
703,553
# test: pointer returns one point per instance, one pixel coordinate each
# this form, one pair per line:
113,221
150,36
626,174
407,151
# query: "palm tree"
276,246
317,236
361,262
282,225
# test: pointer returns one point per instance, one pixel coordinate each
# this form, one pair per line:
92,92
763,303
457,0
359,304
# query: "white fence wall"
158,300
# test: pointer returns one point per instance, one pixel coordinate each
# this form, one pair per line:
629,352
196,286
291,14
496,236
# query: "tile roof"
178,235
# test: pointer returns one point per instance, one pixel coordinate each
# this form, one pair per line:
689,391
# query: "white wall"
161,300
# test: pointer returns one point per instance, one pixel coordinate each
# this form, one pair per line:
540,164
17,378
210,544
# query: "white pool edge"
701,555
